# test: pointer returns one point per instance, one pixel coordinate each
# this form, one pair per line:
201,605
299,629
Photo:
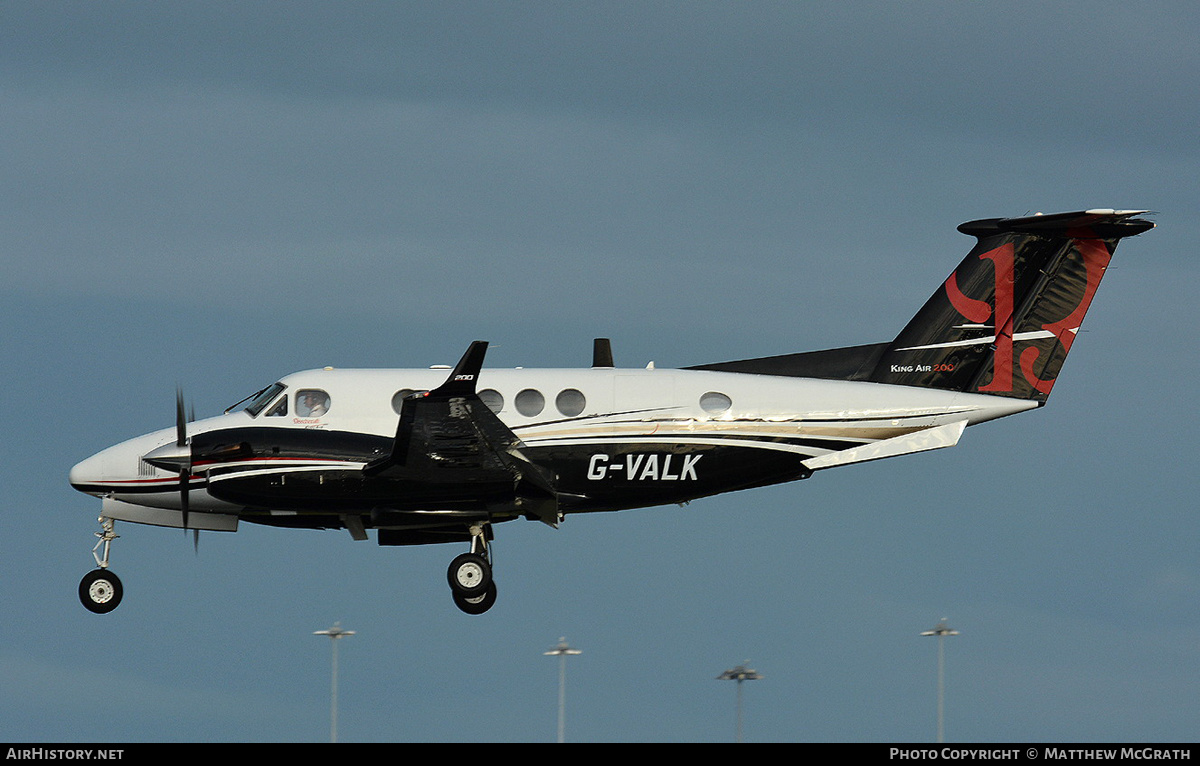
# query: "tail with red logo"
1005,320
1002,323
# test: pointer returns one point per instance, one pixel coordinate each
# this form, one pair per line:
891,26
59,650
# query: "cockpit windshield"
262,399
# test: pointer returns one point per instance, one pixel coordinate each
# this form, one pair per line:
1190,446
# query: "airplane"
440,455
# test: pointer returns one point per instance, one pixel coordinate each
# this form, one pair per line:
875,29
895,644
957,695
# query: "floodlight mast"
334,634
562,650
941,630
739,674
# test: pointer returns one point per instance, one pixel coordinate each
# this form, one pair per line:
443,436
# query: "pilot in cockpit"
312,404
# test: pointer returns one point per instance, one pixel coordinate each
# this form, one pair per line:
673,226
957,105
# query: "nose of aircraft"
117,465
86,475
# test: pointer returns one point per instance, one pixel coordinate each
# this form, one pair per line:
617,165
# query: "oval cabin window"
399,397
312,403
715,403
492,398
530,402
570,402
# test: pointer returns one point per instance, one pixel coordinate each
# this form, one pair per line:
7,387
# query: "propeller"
182,441
185,467
176,457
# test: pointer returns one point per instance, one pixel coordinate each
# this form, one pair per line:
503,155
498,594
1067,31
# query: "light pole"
941,630
562,650
334,634
739,674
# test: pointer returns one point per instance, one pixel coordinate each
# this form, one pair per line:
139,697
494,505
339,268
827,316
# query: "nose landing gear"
100,590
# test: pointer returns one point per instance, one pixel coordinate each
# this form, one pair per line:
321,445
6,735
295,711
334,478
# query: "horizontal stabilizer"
937,437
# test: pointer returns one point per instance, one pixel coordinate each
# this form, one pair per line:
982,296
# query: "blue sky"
212,195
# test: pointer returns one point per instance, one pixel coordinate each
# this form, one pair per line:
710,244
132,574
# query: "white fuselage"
603,424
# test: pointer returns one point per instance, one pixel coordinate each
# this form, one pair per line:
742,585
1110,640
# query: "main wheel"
100,591
477,604
469,575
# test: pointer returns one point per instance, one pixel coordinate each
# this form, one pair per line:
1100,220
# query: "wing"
449,437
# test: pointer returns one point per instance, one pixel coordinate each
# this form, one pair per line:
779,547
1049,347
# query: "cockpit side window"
311,403
263,398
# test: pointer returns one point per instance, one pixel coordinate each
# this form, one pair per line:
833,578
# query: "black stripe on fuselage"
309,470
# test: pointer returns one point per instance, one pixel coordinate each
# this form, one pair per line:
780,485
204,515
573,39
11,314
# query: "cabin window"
399,397
492,398
530,402
311,403
715,403
570,402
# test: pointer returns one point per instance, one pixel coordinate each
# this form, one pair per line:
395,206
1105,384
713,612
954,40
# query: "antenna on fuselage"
602,353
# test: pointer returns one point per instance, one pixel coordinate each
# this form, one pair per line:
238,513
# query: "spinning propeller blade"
178,456
185,468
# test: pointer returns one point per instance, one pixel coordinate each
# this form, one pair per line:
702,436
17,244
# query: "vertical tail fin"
1005,319
1002,323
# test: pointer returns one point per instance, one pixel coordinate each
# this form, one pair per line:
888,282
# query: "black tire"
477,604
469,575
100,591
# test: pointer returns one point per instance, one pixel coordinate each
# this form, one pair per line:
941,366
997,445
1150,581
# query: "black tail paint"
1002,323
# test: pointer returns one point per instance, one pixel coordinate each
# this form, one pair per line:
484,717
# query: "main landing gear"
470,575
100,590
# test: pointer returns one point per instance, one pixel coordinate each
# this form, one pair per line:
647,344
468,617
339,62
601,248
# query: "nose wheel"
100,590
470,575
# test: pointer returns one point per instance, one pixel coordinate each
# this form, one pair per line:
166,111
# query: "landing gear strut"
470,575
100,590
